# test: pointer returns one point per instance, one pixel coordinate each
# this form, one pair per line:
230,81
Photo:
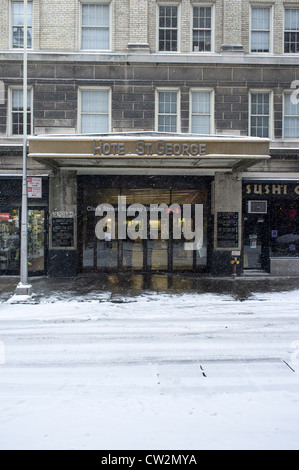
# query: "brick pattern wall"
133,88
138,21
120,25
4,24
57,23
232,24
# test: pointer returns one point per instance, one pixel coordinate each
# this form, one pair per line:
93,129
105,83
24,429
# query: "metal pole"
23,287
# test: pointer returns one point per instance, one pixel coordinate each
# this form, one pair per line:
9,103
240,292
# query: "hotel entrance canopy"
148,153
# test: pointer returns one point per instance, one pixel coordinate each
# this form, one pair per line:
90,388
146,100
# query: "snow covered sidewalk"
152,372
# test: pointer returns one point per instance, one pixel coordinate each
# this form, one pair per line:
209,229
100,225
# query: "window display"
9,240
285,230
10,228
36,240
271,229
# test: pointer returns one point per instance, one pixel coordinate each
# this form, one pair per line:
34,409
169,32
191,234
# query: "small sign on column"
34,187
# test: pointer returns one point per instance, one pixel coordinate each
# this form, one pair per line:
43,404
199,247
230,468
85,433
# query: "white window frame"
9,110
198,5
286,92
79,117
271,119
11,25
262,6
288,7
178,92
95,2
170,4
212,108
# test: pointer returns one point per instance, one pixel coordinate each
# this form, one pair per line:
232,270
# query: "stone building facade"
205,69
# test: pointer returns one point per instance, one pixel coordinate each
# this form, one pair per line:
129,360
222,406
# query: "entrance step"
254,273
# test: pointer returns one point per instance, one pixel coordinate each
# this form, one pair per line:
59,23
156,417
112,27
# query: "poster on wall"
34,187
62,233
228,230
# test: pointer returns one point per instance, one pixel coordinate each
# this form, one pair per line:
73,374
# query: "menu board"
62,233
228,230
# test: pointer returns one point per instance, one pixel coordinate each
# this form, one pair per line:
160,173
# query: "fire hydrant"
235,262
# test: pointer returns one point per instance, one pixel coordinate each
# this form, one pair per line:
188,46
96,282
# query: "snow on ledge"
16,299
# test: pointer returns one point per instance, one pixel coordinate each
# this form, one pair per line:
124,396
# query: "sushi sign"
277,189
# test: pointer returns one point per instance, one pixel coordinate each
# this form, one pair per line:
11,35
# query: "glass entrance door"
157,249
182,259
36,240
133,246
107,249
256,243
143,229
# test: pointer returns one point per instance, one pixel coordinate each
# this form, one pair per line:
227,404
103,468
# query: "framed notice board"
228,230
62,233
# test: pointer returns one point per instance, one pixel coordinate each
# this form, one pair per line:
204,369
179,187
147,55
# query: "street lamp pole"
23,287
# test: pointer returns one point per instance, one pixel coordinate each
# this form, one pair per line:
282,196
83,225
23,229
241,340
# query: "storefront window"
285,229
10,232
9,241
147,241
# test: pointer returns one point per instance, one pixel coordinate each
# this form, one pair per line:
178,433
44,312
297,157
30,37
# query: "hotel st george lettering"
142,148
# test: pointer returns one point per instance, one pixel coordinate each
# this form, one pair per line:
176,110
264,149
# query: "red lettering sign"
34,187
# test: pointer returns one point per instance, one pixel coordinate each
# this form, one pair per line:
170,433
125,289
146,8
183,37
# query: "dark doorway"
256,242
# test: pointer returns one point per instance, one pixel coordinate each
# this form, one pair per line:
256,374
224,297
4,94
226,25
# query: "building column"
227,211
232,26
63,252
138,27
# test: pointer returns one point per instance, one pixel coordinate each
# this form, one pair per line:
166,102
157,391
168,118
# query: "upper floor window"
18,25
291,118
95,110
202,29
168,28
202,112
260,29
95,26
16,109
168,110
260,114
291,33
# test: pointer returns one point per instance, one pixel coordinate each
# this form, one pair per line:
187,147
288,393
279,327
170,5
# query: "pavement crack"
289,366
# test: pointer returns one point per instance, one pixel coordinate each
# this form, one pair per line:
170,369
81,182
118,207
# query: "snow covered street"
155,371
